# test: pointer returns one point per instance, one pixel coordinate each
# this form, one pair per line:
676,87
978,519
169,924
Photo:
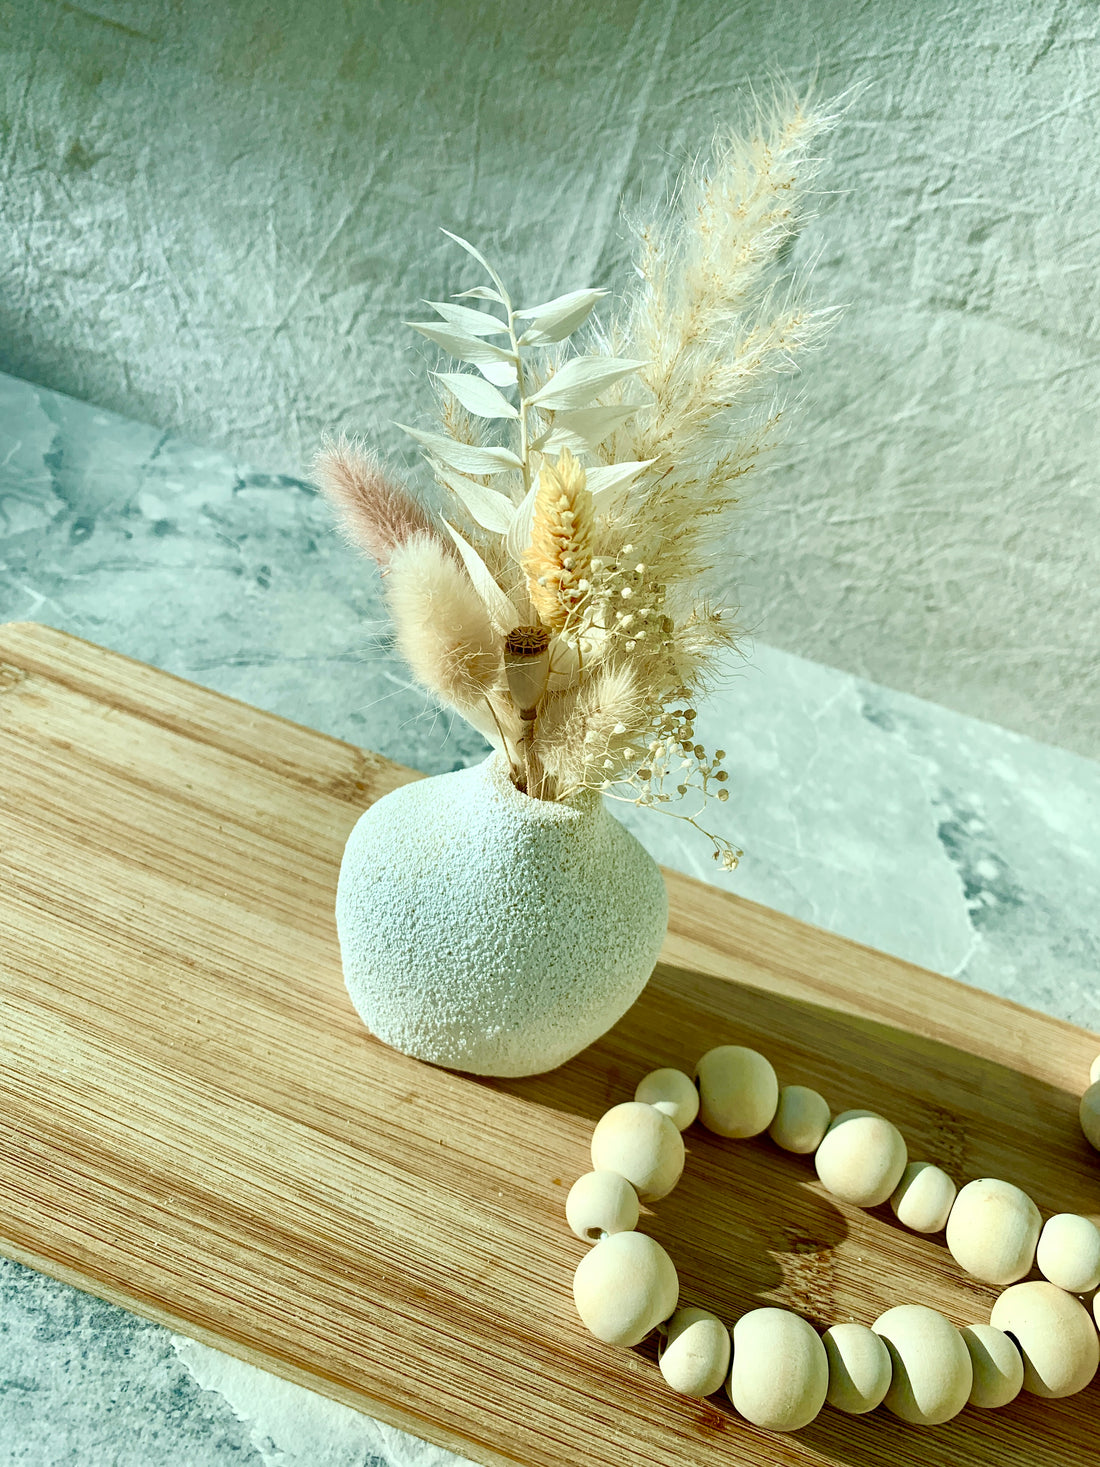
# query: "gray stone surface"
216,217
953,843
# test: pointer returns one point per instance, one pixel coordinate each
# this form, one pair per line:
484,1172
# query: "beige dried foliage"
627,558
373,512
443,629
558,558
715,329
585,727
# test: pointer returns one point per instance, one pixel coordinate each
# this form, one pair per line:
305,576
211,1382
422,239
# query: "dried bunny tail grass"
560,553
443,629
584,735
375,515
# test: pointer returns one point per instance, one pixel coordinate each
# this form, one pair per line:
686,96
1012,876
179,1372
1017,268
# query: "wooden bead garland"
777,1370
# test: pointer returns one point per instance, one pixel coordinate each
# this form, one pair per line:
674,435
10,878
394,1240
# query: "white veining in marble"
947,841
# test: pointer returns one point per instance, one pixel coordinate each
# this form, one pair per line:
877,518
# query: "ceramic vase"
488,931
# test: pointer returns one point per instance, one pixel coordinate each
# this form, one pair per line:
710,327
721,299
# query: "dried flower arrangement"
566,604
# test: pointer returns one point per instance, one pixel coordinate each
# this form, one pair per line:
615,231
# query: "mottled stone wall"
214,218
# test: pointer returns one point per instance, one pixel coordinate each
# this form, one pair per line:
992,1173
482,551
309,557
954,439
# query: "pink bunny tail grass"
375,514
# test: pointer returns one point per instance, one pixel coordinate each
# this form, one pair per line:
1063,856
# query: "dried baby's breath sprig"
673,757
559,555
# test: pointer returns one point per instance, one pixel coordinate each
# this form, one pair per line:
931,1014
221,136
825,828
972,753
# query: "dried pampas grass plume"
443,629
375,514
559,558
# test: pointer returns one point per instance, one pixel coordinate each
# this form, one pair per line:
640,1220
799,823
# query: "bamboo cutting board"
195,1125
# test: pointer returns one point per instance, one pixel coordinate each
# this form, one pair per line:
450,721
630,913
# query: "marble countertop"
949,842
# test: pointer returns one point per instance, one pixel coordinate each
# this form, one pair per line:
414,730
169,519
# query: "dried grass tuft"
374,513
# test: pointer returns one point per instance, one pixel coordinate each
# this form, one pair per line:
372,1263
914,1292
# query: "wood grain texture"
195,1124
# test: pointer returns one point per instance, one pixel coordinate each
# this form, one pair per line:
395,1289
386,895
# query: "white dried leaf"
481,260
503,374
464,456
476,323
462,345
519,534
481,293
603,481
579,381
477,395
502,613
491,510
584,428
556,319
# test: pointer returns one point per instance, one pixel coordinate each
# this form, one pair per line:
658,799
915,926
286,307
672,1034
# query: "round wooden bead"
801,1119
859,1368
923,1198
997,1364
1055,1336
861,1159
1069,1252
780,1371
624,1287
993,1230
1094,1070
738,1091
1089,1112
642,1145
931,1371
670,1091
696,1354
601,1202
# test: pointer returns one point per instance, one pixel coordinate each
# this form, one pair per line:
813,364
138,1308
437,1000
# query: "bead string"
777,1371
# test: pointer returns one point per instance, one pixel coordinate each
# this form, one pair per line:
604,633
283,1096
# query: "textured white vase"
491,932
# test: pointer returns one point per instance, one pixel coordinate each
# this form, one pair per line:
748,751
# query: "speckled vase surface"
491,932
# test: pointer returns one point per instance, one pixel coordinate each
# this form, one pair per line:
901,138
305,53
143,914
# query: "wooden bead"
993,1230
923,1198
601,1202
1089,1113
670,1091
624,1287
696,1354
1069,1252
738,1091
1094,1071
801,1119
859,1368
997,1364
931,1371
1055,1336
780,1370
642,1145
861,1159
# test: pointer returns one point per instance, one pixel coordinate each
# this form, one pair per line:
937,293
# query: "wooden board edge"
360,1401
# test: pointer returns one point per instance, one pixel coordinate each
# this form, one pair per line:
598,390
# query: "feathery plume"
558,558
586,612
375,515
587,734
443,629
